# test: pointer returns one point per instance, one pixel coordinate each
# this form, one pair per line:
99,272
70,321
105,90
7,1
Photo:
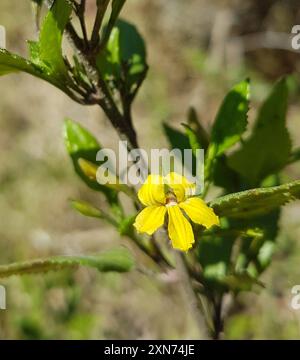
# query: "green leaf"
265,254
78,139
116,8
46,59
241,282
231,120
89,210
250,258
34,52
86,209
90,171
214,255
256,202
50,41
126,226
223,176
193,138
194,123
81,144
269,147
123,61
119,260
252,255
178,140
12,63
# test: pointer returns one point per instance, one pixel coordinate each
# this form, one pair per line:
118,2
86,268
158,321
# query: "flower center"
171,199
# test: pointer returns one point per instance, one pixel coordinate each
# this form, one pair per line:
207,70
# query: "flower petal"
199,212
180,185
179,229
150,219
152,191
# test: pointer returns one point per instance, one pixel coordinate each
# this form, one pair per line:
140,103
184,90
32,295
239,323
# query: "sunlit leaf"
51,34
11,63
126,226
87,209
256,202
116,8
123,61
269,147
231,120
214,255
81,144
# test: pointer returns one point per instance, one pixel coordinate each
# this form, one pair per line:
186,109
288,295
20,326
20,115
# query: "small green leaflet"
231,120
49,46
194,123
81,144
119,260
193,138
46,58
87,209
229,125
11,63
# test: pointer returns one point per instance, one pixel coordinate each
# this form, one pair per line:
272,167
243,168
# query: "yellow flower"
172,194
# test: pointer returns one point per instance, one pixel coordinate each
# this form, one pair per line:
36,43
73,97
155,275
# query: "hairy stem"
102,95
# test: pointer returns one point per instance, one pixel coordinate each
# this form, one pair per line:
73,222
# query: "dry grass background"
36,181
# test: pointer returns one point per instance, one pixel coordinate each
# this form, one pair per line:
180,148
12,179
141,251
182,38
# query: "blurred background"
196,51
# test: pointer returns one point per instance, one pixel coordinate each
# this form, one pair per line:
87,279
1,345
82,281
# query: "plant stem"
122,122
217,318
101,8
80,14
102,96
191,296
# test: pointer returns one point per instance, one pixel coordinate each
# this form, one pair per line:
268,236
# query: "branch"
192,298
80,13
95,38
102,94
